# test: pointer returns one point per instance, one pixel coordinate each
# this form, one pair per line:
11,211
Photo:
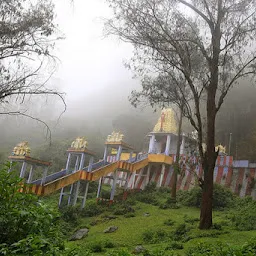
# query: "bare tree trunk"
208,164
177,167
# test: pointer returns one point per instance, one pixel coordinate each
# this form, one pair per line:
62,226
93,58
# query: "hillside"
150,221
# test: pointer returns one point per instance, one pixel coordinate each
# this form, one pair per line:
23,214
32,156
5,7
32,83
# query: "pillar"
30,177
90,164
44,175
130,157
182,146
133,180
151,144
148,174
161,176
119,152
81,166
113,189
168,144
85,194
68,161
99,187
75,193
105,153
23,170
77,164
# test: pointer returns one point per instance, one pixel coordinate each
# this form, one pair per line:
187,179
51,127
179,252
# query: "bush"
190,220
92,209
169,222
121,252
243,216
222,197
129,215
220,249
170,203
122,209
180,233
27,225
155,236
109,244
70,214
147,198
150,187
174,246
96,247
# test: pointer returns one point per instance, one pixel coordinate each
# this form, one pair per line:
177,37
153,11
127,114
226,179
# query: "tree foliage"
27,226
26,40
208,45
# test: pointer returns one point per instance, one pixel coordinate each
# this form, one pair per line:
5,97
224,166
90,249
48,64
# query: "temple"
120,166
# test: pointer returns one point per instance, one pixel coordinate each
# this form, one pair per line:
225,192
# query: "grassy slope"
129,233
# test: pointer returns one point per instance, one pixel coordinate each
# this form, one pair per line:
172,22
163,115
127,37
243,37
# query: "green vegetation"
31,227
166,231
27,225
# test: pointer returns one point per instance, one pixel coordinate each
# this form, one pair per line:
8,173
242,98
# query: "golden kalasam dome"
221,148
167,122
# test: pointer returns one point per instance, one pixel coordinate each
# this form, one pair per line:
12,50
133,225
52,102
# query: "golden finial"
167,122
21,149
221,149
79,143
113,151
115,137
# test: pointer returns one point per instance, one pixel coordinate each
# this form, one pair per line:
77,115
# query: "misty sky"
91,71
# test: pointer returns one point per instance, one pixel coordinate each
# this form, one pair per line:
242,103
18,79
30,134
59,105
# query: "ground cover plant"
170,230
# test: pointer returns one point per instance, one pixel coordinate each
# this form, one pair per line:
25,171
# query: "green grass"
130,230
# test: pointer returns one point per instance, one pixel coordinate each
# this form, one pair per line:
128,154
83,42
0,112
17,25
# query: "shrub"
109,244
166,190
70,214
150,187
180,233
190,220
243,216
169,222
222,197
220,249
170,203
27,225
147,198
96,247
121,252
174,246
155,236
216,226
129,215
92,209
122,209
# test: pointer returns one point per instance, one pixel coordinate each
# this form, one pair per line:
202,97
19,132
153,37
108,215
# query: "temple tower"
21,154
77,154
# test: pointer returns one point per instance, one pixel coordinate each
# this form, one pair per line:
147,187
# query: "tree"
26,41
27,225
208,44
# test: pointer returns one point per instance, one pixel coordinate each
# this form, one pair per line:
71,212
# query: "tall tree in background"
165,90
209,44
26,41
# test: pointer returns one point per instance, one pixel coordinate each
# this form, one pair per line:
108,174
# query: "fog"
96,84
91,73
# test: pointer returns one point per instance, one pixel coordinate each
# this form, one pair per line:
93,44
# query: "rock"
139,249
79,234
146,214
110,229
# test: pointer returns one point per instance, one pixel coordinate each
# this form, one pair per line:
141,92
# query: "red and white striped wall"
241,180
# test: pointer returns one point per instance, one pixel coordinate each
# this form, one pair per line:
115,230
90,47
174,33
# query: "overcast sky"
91,68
